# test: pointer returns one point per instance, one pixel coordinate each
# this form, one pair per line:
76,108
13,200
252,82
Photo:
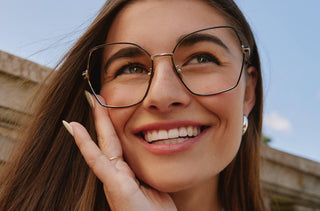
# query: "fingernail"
89,98
68,127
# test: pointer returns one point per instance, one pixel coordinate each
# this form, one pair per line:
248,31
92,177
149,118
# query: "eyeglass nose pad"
178,68
150,70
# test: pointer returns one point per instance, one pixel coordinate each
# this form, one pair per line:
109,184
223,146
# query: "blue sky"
287,33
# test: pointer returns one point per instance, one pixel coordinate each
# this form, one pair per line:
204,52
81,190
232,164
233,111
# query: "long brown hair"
47,172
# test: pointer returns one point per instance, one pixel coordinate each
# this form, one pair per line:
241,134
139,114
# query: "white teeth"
190,131
148,136
195,131
163,134
154,135
175,135
183,131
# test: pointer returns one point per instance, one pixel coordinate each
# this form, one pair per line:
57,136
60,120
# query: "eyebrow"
127,52
194,38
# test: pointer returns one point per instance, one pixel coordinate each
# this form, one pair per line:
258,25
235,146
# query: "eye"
133,68
202,58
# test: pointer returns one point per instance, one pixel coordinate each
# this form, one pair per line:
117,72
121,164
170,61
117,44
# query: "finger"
104,168
95,159
117,178
107,137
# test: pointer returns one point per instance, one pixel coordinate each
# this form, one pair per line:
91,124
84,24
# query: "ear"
250,95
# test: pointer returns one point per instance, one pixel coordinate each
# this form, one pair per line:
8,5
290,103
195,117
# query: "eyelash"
208,56
127,68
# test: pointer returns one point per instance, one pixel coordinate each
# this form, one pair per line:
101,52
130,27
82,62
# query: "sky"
287,34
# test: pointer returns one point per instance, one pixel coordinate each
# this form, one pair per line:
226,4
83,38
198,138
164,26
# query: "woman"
172,84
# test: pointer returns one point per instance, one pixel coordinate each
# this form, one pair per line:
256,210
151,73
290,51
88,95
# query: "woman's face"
170,108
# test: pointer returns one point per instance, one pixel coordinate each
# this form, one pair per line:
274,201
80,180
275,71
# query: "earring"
245,124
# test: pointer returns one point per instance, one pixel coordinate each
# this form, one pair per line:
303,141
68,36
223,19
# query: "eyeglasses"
207,62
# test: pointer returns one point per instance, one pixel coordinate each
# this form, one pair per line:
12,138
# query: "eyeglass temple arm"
246,50
85,74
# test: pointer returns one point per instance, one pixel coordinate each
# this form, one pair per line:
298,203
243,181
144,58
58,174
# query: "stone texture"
18,82
289,179
22,68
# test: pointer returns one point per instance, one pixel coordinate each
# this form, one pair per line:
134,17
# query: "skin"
185,179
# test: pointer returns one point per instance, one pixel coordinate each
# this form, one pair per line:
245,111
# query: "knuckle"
94,162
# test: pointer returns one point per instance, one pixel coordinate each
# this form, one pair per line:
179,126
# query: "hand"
123,191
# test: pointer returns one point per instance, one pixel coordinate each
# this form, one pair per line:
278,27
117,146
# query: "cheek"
228,108
115,96
119,118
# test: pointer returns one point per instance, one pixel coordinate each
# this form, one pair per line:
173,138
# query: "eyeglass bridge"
161,54
164,54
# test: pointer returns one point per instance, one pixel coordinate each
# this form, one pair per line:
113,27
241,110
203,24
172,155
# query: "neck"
203,196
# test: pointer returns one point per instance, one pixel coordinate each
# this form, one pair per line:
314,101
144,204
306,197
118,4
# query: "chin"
173,182
170,186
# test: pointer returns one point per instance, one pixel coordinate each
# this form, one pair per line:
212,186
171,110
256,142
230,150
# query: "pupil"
202,59
134,69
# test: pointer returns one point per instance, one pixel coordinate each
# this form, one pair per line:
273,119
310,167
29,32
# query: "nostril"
176,104
163,107
153,107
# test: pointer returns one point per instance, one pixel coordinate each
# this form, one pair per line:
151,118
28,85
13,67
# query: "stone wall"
290,183
18,81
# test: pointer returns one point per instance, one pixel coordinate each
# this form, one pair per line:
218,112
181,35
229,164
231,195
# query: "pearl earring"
245,124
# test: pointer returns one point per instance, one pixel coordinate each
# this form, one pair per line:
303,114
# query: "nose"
166,91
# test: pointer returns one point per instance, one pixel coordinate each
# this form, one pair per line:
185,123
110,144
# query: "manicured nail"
68,127
89,98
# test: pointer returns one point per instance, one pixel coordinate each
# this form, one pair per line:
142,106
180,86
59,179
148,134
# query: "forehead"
161,23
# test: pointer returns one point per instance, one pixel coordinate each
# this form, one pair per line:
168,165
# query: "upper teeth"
154,135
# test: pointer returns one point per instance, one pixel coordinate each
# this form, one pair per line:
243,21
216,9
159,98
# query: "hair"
47,172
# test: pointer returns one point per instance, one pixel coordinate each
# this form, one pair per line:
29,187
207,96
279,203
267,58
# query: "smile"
171,136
